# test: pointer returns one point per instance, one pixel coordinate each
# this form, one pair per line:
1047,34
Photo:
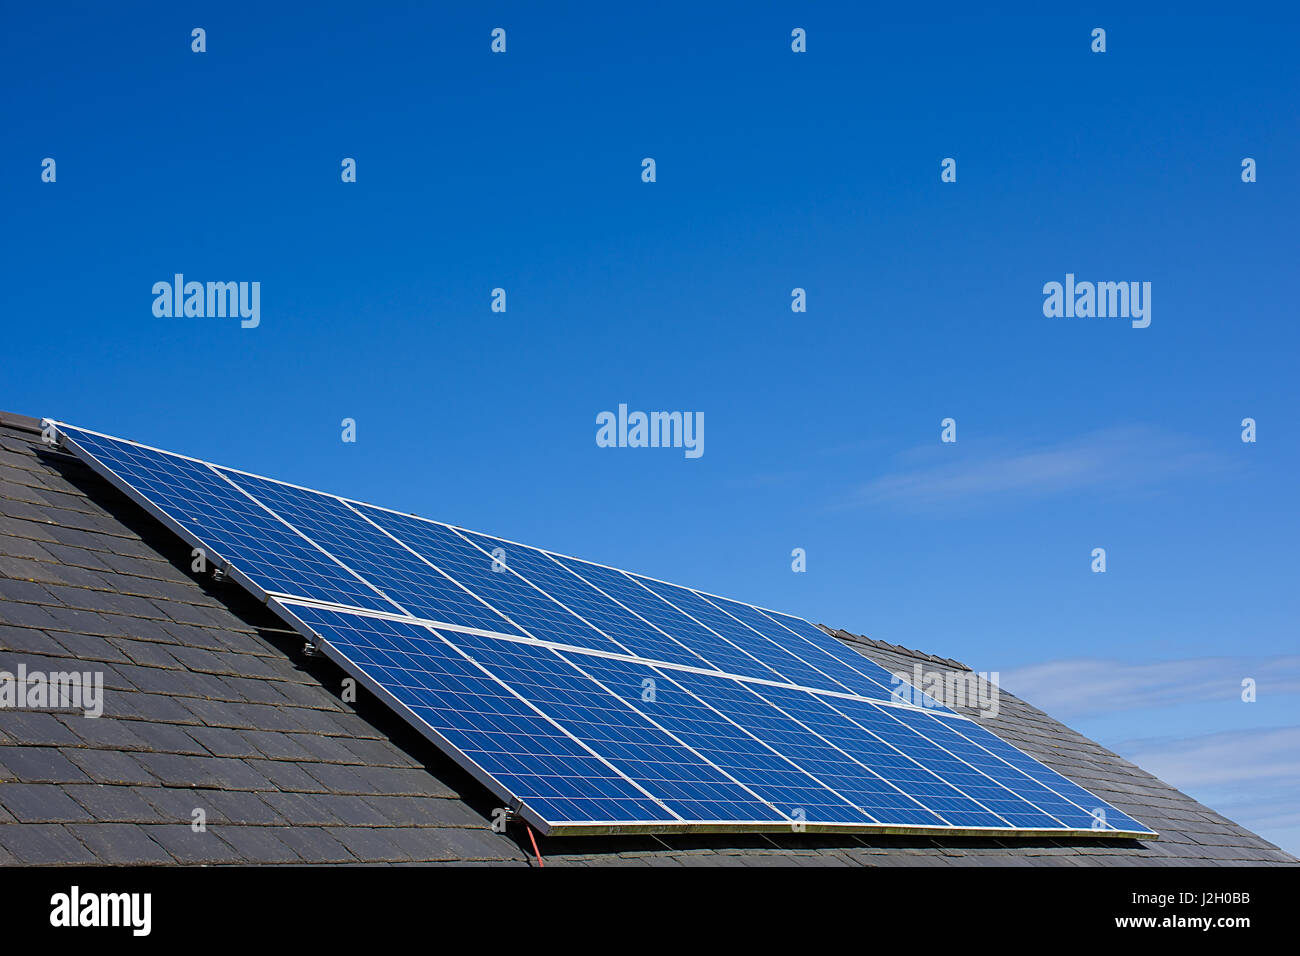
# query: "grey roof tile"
109,766
106,732
314,844
168,738
38,843
350,810
224,742
120,843
186,845
39,765
425,811
36,727
369,843
113,804
288,776
300,809
28,639
40,803
258,844
242,807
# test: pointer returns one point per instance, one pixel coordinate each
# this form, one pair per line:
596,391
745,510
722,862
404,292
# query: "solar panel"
593,700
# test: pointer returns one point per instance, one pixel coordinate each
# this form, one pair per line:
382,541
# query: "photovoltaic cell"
635,635
648,605
502,589
690,787
230,524
419,588
1101,814
776,780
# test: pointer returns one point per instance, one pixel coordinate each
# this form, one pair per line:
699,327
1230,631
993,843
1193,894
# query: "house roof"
210,704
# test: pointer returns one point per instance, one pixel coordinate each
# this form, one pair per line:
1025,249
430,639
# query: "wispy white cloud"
1249,776
1088,687
1112,459
1252,757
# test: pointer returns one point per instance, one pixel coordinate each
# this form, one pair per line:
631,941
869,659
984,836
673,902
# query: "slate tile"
426,811
187,846
177,805
145,653
167,738
477,843
69,556
300,809
314,845
224,742
17,614
30,640
158,708
40,803
351,810
381,753
86,647
113,804
225,773
36,727
109,766
341,779
104,732
241,807
370,845
38,843
289,777
326,749
258,844
277,746
39,765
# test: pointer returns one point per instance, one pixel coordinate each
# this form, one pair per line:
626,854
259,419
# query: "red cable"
535,850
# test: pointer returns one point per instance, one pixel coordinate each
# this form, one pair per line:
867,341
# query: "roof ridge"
20,422
843,635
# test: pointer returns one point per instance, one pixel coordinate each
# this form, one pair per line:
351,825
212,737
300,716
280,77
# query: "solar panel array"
596,700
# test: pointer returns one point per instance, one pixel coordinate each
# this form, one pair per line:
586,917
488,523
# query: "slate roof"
211,704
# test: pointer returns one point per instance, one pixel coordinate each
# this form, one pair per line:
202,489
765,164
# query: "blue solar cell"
791,669
849,678
776,780
1010,809
946,733
636,637
836,769
897,789
1100,814
229,524
689,786
527,754
892,685
648,605
420,589
502,589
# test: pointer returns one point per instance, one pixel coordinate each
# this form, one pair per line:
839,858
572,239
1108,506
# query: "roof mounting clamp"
220,573
309,650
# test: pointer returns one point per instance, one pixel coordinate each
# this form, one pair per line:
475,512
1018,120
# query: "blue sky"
775,170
